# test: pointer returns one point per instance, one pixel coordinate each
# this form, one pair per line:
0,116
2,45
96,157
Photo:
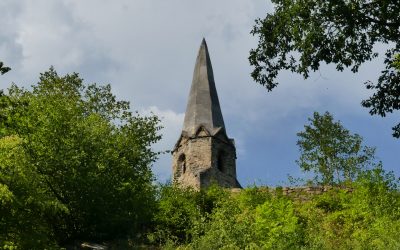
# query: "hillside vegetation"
367,216
75,166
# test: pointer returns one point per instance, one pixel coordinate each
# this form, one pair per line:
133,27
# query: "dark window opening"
182,163
221,162
184,167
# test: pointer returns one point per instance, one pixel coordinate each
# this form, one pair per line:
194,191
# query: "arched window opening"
221,162
182,163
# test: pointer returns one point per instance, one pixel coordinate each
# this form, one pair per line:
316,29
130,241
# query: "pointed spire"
203,106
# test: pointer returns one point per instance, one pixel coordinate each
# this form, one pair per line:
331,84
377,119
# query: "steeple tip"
203,107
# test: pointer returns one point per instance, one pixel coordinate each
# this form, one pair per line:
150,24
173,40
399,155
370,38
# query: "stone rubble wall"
303,193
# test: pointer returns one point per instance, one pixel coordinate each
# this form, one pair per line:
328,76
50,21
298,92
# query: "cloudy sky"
146,49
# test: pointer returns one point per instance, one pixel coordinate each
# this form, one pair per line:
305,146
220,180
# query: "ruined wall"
305,193
189,159
298,193
200,161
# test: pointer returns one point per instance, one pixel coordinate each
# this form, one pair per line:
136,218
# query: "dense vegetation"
365,215
75,166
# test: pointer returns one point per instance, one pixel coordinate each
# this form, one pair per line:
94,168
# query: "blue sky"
147,49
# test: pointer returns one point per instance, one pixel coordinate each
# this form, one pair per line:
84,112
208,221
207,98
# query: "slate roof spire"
203,107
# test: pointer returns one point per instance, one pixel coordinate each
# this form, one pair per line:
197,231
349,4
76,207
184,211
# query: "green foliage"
178,212
75,164
396,62
364,215
300,35
387,90
229,226
24,203
331,151
182,212
277,226
84,161
252,219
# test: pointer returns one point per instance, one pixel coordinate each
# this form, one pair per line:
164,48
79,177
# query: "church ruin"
204,154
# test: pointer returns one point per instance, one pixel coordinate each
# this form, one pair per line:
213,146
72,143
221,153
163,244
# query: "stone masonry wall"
299,193
197,162
197,154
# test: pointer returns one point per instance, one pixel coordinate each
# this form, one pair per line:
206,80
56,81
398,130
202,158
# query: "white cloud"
172,127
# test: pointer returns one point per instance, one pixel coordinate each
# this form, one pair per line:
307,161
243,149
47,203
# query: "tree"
87,154
331,151
387,96
302,34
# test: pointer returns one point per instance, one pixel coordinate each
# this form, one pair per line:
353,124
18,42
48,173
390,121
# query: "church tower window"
221,161
182,163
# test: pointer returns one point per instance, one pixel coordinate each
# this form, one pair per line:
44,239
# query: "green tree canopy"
302,34
331,151
76,162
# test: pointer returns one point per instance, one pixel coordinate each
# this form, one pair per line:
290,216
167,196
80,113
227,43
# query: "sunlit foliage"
74,164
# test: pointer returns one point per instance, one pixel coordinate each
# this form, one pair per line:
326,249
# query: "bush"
277,226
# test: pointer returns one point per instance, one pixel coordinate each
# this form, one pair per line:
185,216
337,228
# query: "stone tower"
204,154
